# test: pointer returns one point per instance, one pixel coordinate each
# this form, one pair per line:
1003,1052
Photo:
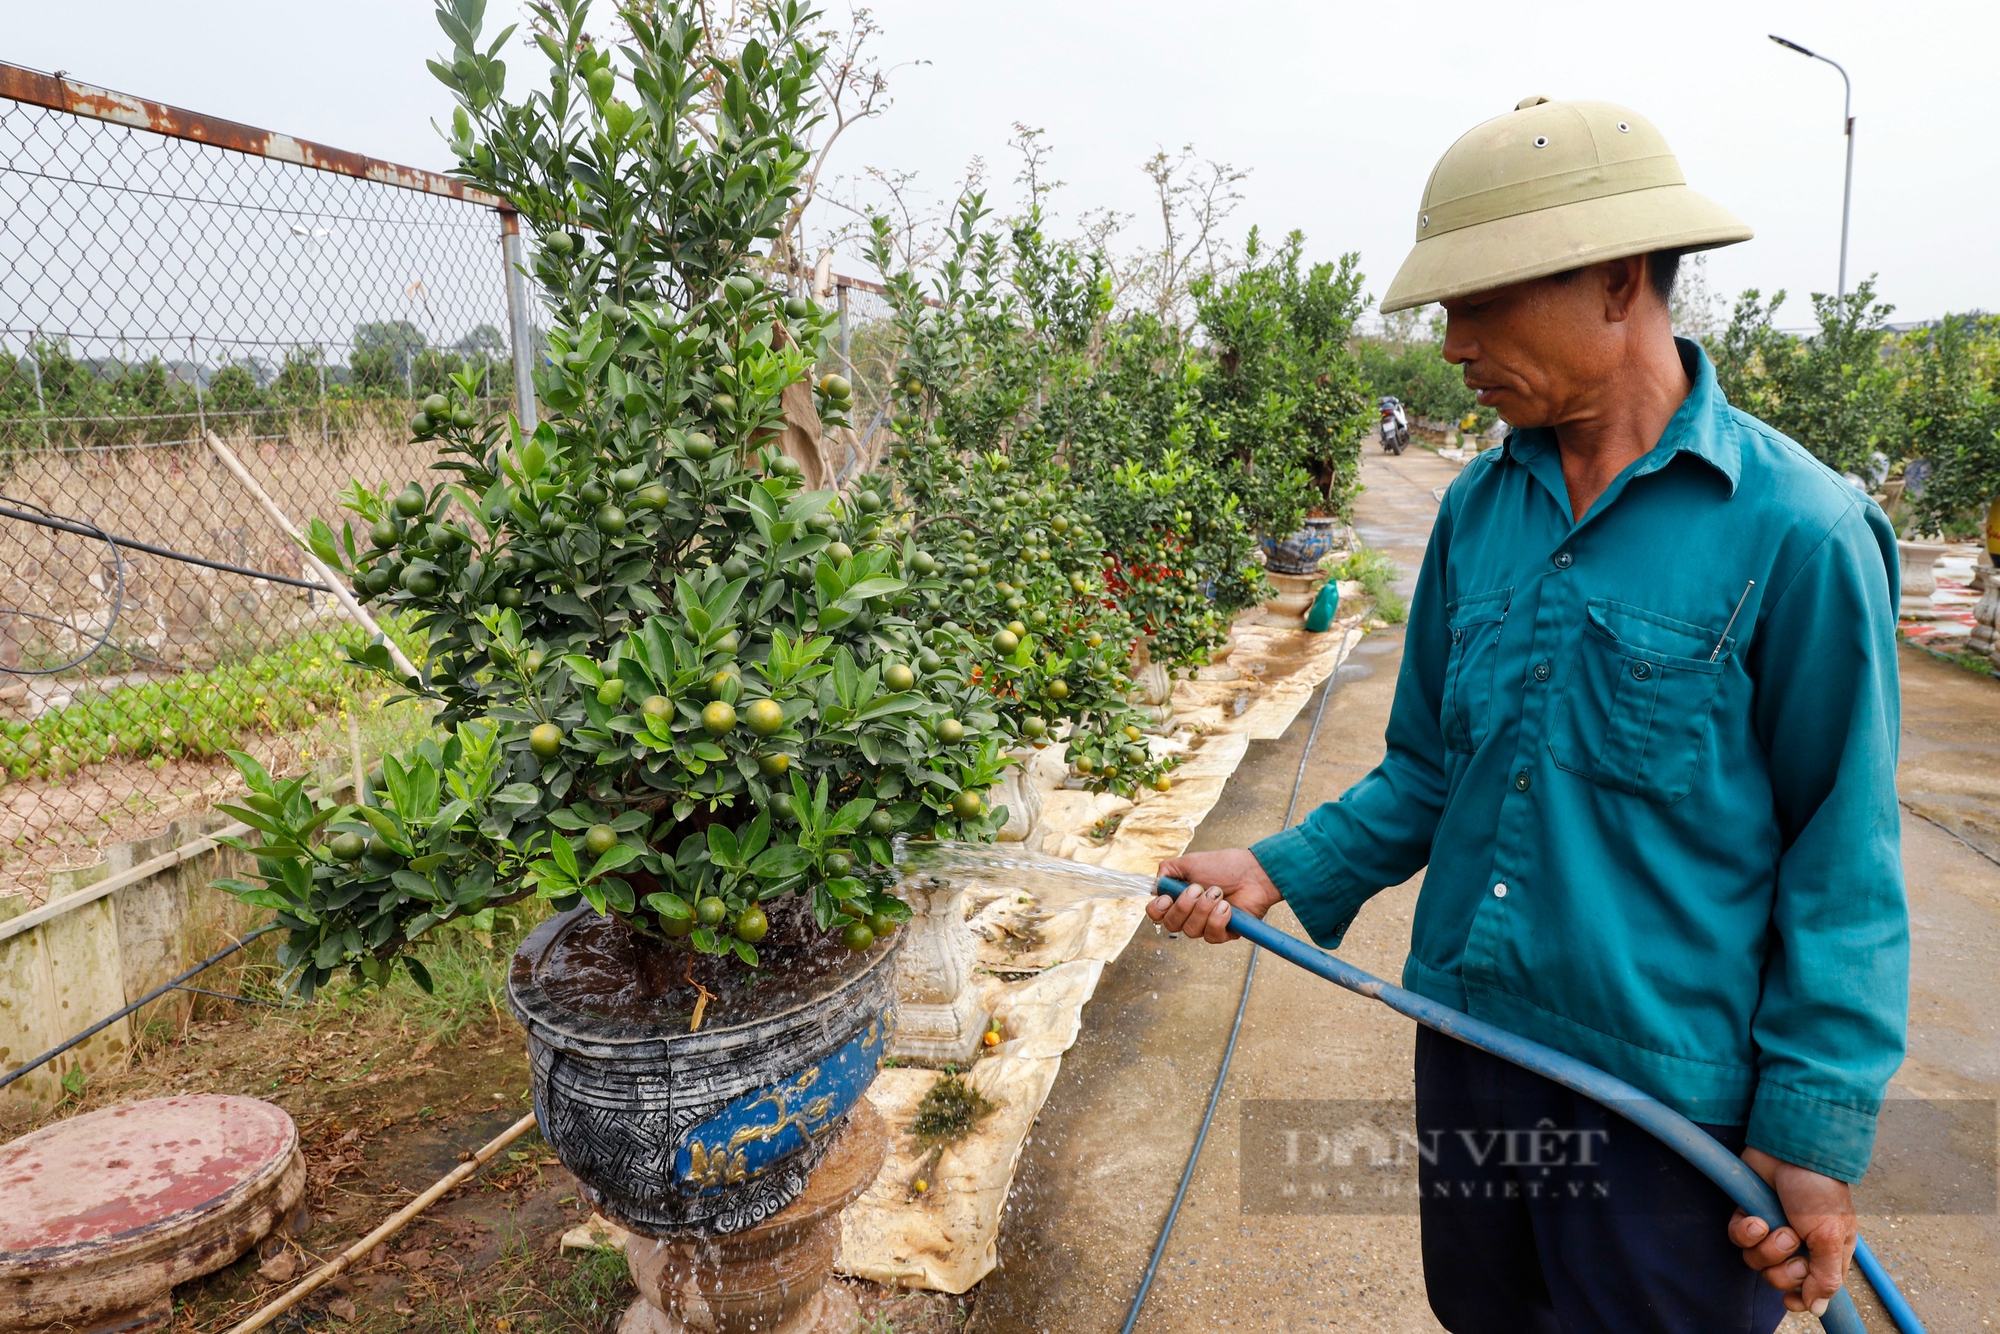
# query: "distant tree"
1695,306
1284,405
1745,351
1949,415
301,377
144,388
374,373
1833,392
397,340
1413,370
233,388
432,369
483,339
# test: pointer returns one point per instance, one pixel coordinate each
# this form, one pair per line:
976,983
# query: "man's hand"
1819,1207
1228,880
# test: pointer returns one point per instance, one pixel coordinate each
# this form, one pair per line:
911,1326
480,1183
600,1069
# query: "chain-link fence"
869,349
168,277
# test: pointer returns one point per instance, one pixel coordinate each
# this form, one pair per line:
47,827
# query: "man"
1644,740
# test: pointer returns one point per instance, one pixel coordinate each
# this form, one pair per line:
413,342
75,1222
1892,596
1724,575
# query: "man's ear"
1624,285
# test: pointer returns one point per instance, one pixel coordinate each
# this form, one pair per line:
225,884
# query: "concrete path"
1101,1168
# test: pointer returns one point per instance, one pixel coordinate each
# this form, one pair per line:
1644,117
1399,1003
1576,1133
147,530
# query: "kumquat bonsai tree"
669,680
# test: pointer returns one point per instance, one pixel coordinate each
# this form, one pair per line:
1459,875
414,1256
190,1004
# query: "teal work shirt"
1670,851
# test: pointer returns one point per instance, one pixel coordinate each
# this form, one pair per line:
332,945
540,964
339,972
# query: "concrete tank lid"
130,1169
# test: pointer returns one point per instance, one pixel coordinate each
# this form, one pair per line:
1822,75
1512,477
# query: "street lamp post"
1847,187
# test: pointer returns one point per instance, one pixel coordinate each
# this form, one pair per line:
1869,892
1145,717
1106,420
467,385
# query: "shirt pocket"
1634,711
1476,621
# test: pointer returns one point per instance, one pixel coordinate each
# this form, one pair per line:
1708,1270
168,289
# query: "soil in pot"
605,969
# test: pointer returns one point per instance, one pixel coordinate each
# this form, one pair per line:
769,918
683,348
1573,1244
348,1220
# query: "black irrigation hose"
153,995
92,530
1228,1052
98,648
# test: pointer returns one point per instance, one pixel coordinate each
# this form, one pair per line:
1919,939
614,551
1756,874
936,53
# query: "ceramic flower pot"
1300,553
670,1131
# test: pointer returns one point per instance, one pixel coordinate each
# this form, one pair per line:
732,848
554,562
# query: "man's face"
1536,352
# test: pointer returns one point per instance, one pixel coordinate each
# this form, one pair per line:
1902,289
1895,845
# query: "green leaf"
622,855
889,705
804,505
850,816
722,846
564,855
670,906
586,671
784,860
384,824
262,823
879,586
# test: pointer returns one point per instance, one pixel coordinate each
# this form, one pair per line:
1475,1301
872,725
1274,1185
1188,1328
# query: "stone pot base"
771,1278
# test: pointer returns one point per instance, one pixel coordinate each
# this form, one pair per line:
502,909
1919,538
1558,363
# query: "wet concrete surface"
1101,1168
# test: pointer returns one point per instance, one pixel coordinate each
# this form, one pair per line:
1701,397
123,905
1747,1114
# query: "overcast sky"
1337,110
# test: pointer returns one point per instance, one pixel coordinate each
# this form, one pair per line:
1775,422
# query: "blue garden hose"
1683,1136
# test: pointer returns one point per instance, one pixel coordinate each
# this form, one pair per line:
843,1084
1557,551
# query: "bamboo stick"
335,1267
341,593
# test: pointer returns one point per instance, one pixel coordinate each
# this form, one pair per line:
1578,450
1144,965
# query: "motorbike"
1395,427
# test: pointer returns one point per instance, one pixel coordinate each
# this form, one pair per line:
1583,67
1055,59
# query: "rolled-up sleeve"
1379,833
1830,1022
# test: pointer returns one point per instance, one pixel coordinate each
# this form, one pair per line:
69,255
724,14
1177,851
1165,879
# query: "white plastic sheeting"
1037,973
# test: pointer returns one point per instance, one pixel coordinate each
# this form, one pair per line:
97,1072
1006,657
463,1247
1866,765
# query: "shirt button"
1564,560
1521,781
1541,671
1499,891
1457,635
1640,671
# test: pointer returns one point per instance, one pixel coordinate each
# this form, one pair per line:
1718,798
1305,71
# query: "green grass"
1977,663
467,960
1375,572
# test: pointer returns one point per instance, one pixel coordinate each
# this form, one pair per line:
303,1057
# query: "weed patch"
1376,574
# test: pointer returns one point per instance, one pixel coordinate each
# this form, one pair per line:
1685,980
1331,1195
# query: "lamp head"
1792,46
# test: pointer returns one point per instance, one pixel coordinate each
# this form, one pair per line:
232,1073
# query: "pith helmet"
1547,187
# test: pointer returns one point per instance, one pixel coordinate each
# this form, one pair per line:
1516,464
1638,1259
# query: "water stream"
1056,884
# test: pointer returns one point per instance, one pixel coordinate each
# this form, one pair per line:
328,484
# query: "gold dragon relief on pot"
811,1103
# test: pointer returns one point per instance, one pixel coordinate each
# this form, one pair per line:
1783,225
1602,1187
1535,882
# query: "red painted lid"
133,1168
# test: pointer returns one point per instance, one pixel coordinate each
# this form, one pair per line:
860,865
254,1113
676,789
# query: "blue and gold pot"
1300,553
714,1131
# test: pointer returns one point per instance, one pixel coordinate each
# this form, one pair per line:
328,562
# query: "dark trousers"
1544,1213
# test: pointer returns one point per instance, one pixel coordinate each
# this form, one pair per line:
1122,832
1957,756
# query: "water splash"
1055,883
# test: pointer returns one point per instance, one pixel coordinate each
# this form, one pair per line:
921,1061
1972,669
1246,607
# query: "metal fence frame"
126,211
54,92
